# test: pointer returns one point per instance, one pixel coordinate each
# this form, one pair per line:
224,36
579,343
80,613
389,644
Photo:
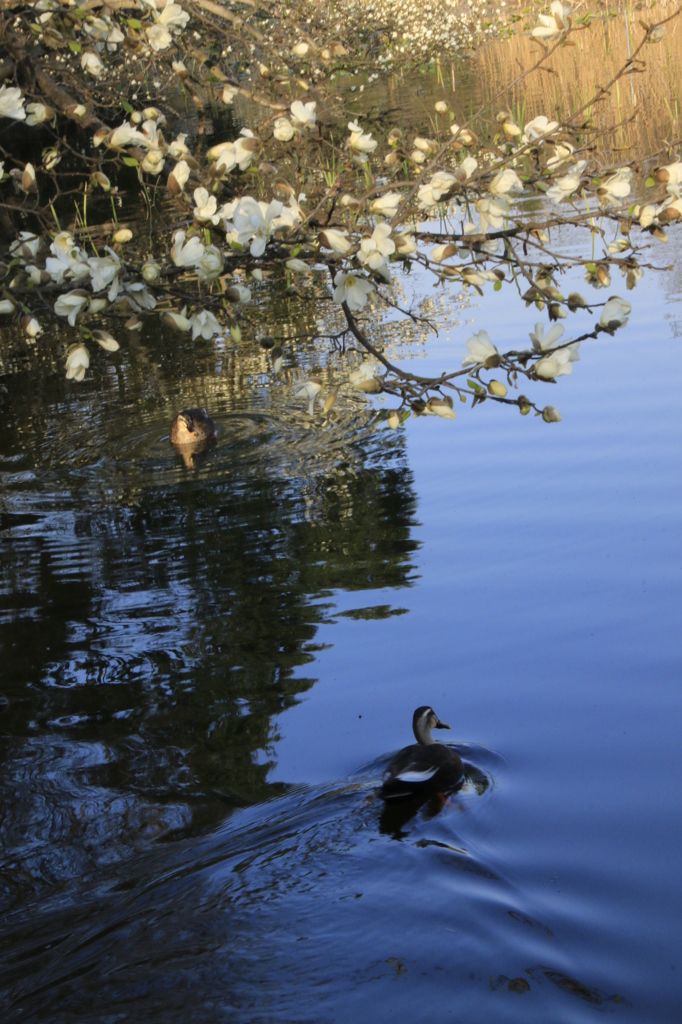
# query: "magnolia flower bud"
576,301
264,71
267,342
235,333
31,326
151,272
100,136
329,401
101,179
393,419
277,358
133,323
524,405
106,341
7,306
180,69
495,387
556,312
123,235
391,158
441,107
28,179
551,415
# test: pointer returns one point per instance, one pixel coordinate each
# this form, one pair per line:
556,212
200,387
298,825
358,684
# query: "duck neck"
423,734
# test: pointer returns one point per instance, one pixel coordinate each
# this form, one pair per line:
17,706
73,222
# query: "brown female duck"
192,426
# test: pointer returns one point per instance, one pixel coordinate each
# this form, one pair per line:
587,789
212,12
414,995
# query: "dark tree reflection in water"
161,632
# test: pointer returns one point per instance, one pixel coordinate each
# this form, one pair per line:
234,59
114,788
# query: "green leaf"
591,267
127,107
75,47
650,181
237,246
134,23
497,286
78,13
474,386
130,161
295,251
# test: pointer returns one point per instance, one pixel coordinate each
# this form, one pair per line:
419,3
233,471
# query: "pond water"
206,667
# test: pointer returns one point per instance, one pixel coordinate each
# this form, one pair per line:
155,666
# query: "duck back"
422,769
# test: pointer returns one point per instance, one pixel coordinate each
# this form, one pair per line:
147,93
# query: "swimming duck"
191,426
424,767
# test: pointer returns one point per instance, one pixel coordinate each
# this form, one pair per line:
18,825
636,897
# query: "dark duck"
192,426
426,766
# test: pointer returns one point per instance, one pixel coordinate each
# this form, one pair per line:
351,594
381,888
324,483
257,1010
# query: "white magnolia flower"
153,161
71,304
179,175
205,207
405,243
173,16
103,30
310,391
26,246
567,185
561,152
670,173
38,113
104,271
138,297
77,362
558,363
443,252
616,187
12,103
541,341
646,215
538,127
245,148
186,255
552,25
440,407
335,240
91,63
210,266
431,193
254,222
238,293
67,261
7,306
492,214
177,320
615,313
352,289
360,142
177,148
481,349
364,374
298,266
204,325
303,114
283,129
506,180
125,135
387,204
375,250
159,37
466,169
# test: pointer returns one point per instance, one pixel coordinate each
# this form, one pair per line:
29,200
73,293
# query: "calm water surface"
206,668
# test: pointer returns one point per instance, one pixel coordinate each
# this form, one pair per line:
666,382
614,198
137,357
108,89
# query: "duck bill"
441,725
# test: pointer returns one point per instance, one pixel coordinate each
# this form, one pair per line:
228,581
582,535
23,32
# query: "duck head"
423,721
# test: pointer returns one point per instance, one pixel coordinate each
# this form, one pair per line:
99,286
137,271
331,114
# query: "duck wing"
421,769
